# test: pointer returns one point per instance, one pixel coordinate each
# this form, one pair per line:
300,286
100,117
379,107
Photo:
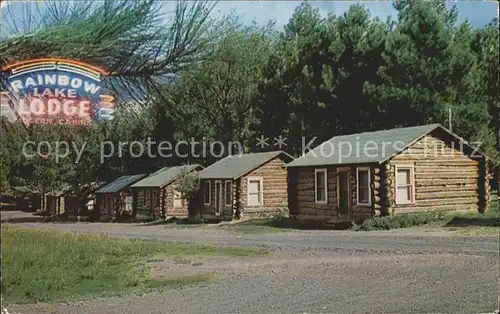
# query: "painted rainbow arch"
68,65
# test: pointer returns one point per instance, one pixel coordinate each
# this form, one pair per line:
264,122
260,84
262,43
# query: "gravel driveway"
401,271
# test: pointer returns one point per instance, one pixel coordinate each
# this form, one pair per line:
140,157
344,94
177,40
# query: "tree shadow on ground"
290,223
185,222
473,221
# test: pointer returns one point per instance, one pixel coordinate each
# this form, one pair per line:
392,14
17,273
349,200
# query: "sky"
479,13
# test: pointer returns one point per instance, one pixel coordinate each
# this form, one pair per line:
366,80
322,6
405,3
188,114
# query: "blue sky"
479,13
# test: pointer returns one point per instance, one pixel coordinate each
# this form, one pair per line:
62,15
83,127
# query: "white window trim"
412,182
209,192
225,190
369,186
316,186
218,201
178,199
261,191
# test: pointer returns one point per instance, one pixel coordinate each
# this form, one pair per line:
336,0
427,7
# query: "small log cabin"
55,201
156,195
422,168
245,185
115,198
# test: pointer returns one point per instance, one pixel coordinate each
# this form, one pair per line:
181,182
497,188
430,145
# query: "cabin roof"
60,192
235,166
163,176
374,147
120,184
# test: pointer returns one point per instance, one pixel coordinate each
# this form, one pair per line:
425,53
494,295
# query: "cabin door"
218,198
344,192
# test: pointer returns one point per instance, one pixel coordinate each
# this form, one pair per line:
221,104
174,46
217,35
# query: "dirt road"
318,271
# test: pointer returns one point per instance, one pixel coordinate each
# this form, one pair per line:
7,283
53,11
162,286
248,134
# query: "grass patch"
474,223
275,225
44,266
261,226
250,229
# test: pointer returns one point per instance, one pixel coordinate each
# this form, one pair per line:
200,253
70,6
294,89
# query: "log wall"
444,178
179,212
305,204
159,202
305,199
275,193
208,211
105,206
274,186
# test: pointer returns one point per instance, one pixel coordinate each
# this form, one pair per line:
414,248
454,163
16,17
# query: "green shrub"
398,221
188,183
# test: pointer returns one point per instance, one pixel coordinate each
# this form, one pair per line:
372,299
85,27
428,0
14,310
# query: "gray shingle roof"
374,147
233,167
163,176
119,184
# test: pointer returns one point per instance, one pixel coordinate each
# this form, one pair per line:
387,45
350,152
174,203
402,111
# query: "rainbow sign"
55,91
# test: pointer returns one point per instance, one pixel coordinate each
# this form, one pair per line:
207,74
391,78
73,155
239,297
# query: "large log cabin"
115,198
157,196
414,169
245,185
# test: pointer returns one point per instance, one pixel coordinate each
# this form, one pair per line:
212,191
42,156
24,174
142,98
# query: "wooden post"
386,195
238,213
375,188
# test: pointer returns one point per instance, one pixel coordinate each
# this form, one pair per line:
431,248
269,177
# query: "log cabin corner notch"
248,185
390,171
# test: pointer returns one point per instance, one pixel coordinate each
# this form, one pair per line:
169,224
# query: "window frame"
261,192
411,168
180,198
358,170
155,197
209,192
226,182
316,171
147,197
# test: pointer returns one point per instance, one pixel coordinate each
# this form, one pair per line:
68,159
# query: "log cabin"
245,185
115,198
413,169
55,200
157,196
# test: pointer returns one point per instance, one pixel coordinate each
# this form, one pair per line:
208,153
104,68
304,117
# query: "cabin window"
254,188
363,186
404,185
177,199
206,193
321,186
147,197
155,198
228,192
129,201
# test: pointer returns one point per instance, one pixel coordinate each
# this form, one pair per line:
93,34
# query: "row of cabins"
65,201
348,177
